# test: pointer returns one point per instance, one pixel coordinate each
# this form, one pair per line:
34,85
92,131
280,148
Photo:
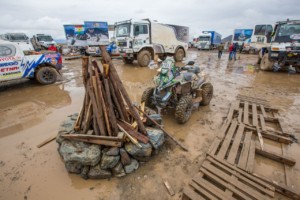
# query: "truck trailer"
142,39
209,40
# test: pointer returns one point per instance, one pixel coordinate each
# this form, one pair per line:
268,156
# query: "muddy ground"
30,113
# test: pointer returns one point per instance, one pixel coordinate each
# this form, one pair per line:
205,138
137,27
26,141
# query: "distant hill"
227,39
60,41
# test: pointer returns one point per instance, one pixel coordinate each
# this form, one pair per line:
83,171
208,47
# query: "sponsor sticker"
11,58
9,72
295,36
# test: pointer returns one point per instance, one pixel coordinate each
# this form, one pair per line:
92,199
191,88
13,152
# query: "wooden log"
169,188
168,134
116,79
50,139
115,100
85,64
111,114
132,139
88,118
140,137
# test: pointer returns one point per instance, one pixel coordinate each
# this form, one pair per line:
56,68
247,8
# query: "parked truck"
16,64
209,40
42,41
142,39
19,38
284,49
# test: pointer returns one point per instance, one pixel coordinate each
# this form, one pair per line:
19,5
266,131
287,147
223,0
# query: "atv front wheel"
46,75
207,93
146,97
183,110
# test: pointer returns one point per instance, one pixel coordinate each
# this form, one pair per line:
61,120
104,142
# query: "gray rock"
65,127
97,173
118,170
84,172
114,151
73,167
74,116
83,153
134,150
134,165
108,162
156,137
156,117
125,159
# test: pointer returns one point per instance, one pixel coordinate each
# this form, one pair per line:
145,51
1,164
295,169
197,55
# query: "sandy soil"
30,113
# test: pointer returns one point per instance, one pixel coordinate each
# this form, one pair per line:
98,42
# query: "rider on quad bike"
179,88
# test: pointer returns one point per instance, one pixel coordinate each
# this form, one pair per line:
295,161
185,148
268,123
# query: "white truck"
209,40
284,49
19,38
16,64
142,39
261,37
42,41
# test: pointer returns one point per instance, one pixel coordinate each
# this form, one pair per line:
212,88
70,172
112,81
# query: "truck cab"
42,41
261,37
284,49
19,38
142,39
204,41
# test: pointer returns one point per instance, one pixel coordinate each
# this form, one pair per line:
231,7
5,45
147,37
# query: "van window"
7,50
140,29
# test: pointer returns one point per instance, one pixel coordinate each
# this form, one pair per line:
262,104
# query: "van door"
141,34
10,63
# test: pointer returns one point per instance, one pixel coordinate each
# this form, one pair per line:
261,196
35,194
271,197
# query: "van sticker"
295,36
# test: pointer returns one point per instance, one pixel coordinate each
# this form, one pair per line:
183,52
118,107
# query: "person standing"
52,48
220,50
230,51
234,49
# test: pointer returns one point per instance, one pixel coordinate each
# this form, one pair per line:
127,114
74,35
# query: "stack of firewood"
107,109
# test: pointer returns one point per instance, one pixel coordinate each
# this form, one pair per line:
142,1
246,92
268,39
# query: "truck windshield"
123,30
287,33
17,37
263,29
46,38
204,38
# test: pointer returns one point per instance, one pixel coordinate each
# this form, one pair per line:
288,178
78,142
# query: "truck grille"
122,43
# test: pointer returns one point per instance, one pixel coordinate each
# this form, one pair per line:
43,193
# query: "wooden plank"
262,109
226,143
169,188
287,170
210,187
254,115
214,146
242,163
241,173
225,184
188,194
246,113
229,179
262,123
275,156
223,129
129,129
240,115
236,143
46,141
202,191
251,156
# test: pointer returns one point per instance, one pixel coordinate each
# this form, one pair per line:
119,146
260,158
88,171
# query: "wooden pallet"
220,180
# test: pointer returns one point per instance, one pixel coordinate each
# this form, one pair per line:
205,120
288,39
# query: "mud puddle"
31,113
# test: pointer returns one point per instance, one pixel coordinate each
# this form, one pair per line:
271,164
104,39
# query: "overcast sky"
32,16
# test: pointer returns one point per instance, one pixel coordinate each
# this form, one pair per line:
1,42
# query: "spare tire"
179,55
46,75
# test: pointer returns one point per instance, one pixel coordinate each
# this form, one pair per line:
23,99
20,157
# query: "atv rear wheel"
46,75
144,58
127,60
265,63
207,93
183,110
146,97
179,55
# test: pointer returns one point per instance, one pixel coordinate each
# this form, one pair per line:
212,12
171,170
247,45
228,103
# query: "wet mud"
30,113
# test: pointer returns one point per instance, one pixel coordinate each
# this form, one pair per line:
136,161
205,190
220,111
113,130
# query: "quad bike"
181,88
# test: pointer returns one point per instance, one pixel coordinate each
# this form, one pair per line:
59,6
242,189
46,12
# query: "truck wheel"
128,61
46,75
207,93
146,97
183,110
265,63
144,58
179,55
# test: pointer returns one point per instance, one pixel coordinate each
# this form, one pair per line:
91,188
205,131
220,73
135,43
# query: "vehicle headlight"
275,49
